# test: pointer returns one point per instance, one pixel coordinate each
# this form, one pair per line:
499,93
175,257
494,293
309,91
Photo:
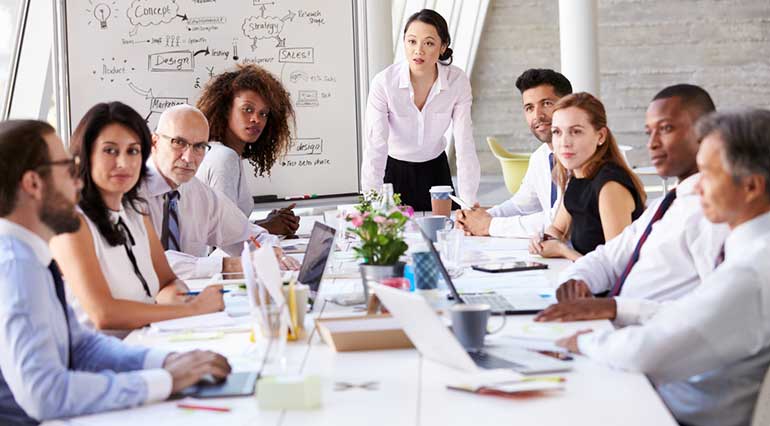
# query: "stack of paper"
218,320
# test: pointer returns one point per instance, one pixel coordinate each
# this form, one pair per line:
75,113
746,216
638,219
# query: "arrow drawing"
206,51
184,17
141,92
289,16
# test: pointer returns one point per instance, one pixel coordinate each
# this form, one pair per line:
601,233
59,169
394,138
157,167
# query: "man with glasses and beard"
50,366
533,206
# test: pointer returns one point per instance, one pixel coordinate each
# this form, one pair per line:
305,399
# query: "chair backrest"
514,165
762,407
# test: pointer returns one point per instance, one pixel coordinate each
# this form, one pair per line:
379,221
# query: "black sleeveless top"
581,199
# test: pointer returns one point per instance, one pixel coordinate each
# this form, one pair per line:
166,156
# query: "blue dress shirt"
35,384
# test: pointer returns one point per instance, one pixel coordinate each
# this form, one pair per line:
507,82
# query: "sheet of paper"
208,321
306,224
548,331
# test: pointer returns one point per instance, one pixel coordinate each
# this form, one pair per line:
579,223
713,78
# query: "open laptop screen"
316,255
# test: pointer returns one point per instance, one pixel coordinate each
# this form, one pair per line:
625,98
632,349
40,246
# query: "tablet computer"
520,265
236,384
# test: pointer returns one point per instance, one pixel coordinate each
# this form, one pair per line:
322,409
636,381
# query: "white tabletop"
411,390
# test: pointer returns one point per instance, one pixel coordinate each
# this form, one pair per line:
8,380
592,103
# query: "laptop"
318,248
501,304
435,341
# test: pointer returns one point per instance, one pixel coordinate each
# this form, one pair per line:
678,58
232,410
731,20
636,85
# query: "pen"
195,293
203,407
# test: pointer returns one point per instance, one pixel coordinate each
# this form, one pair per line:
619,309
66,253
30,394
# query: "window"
9,12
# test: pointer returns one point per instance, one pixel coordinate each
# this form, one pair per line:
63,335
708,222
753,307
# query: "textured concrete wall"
644,45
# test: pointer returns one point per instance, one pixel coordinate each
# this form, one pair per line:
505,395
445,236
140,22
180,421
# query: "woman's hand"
209,300
287,263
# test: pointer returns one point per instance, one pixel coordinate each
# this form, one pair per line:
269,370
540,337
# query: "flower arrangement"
380,232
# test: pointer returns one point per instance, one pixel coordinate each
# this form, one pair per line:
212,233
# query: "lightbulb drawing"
102,12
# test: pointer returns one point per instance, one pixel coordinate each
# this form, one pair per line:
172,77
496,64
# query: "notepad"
199,322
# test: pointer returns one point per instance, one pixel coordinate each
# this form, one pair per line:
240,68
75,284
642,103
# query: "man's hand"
281,222
579,310
570,343
573,289
188,368
287,263
475,221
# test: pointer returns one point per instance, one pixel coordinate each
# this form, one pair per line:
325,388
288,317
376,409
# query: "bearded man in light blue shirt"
50,366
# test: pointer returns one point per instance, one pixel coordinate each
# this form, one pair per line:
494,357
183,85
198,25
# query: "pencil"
203,407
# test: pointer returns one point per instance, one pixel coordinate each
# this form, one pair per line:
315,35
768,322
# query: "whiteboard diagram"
153,54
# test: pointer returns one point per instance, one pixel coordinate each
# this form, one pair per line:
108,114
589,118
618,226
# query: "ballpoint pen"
195,293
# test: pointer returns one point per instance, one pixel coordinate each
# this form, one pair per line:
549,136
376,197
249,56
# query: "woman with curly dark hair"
250,116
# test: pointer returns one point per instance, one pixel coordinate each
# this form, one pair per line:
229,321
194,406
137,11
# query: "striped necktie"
58,284
553,184
664,205
169,235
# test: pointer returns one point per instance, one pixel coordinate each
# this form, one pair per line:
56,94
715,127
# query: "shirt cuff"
627,311
587,344
155,358
207,266
159,384
266,239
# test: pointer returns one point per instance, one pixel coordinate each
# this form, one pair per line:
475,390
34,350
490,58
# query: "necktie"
169,235
553,184
128,243
664,205
58,284
720,257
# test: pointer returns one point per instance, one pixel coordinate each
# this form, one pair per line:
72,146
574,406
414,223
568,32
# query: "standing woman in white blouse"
410,107
114,265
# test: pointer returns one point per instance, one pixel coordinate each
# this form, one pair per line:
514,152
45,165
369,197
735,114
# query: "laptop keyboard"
496,302
484,360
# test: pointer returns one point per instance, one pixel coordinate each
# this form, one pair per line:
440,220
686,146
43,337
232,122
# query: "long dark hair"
82,144
431,17
216,102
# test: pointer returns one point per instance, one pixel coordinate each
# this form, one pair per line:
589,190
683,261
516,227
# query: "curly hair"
216,103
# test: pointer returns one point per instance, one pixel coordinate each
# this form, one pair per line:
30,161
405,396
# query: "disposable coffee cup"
441,204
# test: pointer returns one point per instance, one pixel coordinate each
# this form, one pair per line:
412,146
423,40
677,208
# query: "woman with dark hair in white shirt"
410,107
114,265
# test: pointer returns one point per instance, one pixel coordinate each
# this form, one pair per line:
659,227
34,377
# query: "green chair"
514,164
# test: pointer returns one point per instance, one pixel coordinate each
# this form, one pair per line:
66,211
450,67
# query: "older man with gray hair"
189,216
708,351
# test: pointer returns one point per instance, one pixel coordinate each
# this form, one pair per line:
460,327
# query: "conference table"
410,389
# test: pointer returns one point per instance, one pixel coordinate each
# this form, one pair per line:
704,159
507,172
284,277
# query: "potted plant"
381,235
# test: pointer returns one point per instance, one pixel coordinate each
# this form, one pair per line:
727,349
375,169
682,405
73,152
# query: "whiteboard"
153,54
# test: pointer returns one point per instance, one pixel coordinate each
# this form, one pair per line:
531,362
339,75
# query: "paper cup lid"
442,188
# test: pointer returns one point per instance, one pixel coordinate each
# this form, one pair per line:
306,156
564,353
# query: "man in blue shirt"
50,366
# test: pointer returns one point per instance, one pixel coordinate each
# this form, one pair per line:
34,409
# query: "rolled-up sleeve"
375,150
468,170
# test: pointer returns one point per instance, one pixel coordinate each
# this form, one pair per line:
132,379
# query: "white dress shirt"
678,254
396,128
707,352
207,218
222,169
35,381
117,268
529,211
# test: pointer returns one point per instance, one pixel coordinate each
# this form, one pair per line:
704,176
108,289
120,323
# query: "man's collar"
156,183
37,244
687,186
747,233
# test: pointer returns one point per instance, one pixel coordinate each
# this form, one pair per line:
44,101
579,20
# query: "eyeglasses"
181,145
73,164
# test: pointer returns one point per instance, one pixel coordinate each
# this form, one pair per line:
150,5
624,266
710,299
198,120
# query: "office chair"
514,164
